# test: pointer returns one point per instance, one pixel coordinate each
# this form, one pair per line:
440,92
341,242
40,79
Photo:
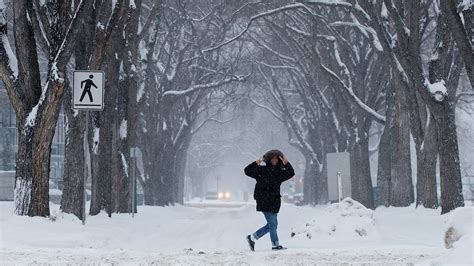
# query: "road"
334,256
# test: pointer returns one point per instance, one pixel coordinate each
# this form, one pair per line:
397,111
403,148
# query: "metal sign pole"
339,186
86,148
133,158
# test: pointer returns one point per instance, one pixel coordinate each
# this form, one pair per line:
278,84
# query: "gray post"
133,179
133,159
338,175
339,186
86,148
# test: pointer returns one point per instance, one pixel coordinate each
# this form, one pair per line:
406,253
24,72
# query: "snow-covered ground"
344,233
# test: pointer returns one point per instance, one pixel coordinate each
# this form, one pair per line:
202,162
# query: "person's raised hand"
284,159
259,161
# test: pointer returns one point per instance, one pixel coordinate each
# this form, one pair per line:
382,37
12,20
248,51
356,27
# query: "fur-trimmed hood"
270,154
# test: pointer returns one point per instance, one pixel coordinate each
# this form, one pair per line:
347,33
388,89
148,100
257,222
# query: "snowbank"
458,238
216,235
346,220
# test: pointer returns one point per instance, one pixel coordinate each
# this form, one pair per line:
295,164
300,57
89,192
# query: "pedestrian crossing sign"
88,90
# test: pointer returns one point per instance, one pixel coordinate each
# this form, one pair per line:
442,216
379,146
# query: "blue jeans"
271,226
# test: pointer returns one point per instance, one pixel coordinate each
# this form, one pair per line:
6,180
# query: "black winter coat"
269,179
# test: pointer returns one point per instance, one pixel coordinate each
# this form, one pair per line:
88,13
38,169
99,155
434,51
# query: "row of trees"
334,71
334,68
162,75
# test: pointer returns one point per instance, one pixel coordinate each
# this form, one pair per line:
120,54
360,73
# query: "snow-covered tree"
178,76
89,54
53,26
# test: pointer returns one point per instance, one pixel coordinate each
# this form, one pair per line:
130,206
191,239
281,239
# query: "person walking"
277,169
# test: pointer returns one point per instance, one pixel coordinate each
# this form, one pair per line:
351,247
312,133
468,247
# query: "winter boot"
279,247
251,243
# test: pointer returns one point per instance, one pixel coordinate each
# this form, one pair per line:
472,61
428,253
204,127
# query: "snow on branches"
438,90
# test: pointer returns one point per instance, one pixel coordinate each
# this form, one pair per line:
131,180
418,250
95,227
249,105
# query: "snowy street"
188,235
334,256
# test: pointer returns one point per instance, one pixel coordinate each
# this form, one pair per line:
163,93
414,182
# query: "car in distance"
214,195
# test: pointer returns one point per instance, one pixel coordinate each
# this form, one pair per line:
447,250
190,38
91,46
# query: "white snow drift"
188,235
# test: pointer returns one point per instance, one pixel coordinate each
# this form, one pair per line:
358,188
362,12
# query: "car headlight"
220,195
227,195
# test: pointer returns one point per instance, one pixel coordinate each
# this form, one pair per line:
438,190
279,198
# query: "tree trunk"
121,177
126,110
450,172
102,194
104,171
147,183
95,162
166,177
24,174
384,166
73,177
309,185
148,147
41,161
33,159
74,161
361,180
401,193
46,119
94,208
148,192
181,160
426,188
